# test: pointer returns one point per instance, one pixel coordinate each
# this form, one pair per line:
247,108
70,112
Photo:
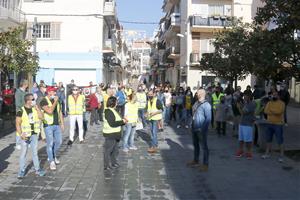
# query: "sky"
140,11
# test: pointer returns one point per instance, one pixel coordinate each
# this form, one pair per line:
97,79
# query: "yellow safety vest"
128,92
107,129
105,98
152,108
216,100
132,112
76,107
141,99
26,126
48,119
188,102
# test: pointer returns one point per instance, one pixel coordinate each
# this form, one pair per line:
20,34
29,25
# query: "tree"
230,59
15,55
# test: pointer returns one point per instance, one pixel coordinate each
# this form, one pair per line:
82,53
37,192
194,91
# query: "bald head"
201,94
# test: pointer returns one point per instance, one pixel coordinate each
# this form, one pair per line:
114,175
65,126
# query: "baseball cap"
51,88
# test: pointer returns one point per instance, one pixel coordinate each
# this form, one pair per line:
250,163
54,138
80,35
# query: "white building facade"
69,39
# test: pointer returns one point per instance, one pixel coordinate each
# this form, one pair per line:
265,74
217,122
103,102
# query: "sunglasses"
32,99
75,89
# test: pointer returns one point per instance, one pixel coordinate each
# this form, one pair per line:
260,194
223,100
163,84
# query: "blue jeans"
180,116
142,116
188,117
33,141
128,139
167,114
54,140
154,130
200,138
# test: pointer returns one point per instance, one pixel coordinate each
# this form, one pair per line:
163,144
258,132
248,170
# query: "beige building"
187,31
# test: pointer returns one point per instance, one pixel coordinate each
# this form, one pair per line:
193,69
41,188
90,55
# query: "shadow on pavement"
4,155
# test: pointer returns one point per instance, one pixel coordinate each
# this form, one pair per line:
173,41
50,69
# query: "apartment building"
10,14
187,31
69,39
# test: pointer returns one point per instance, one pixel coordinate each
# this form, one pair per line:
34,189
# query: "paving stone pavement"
162,176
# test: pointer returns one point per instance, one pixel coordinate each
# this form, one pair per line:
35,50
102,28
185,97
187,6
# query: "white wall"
78,34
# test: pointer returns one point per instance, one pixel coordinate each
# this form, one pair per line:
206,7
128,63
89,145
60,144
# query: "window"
216,10
43,30
38,1
4,3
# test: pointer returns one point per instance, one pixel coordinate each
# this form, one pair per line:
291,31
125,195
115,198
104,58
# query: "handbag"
139,126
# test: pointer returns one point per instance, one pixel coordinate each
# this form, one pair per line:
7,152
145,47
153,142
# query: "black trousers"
110,151
221,128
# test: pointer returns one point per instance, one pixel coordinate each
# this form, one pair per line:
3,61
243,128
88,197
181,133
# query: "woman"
131,114
112,132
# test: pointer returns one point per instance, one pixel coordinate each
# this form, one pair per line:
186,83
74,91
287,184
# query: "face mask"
75,92
150,97
52,97
33,103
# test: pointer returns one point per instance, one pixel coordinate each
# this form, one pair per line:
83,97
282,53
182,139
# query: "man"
154,113
168,105
216,100
248,91
28,127
275,117
53,124
180,107
284,95
19,102
200,123
76,108
100,101
62,97
128,90
247,110
142,102
121,96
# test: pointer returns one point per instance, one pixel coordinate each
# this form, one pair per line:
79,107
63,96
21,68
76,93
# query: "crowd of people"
123,110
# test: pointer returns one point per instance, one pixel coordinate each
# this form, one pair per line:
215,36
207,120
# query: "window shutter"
55,30
29,31
48,0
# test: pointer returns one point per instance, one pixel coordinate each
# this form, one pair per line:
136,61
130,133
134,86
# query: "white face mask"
52,97
75,92
33,103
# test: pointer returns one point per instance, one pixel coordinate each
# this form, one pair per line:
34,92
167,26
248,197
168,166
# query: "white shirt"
168,98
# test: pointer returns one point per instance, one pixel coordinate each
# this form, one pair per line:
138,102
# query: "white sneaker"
133,148
57,162
18,147
186,126
125,150
52,166
178,126
265,156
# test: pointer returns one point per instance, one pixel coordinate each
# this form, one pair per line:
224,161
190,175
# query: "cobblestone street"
143,176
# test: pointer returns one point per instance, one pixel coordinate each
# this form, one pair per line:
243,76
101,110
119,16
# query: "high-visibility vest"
132,112
216,100
48,118
107,129
141,99
188,102
152,108
26,124
105,98
76,107
128,91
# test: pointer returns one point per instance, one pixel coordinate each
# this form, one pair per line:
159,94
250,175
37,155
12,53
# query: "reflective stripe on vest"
76,107
26,126
141,99
107,129
132,112
48,119
152,108
216,100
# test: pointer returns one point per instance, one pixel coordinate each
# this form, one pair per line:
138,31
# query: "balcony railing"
14,15
210,21
109,8
175,19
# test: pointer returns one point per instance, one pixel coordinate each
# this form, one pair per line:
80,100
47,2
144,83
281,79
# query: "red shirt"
8,96
93,102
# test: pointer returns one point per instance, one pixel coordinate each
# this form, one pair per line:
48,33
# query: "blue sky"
141,11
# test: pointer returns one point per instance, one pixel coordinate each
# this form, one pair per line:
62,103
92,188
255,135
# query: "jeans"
200,138
167,114
188,117
110,151
142,116
180,116
54,140
128,139
121,109
154,130
33,141
94,116
73,120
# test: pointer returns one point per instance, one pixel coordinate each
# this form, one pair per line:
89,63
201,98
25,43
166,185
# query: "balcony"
195,59
109,8
173,52
10,17
210,24
108,47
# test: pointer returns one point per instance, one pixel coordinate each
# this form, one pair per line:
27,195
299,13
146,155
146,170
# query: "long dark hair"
111,102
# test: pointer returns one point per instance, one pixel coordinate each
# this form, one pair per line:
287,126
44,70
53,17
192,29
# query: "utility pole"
31,78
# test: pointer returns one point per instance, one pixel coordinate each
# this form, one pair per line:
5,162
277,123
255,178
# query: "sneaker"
280,159
186,126
40,172
57,162
52,166
178,126
21,174
203,168
126,150
152,150
115,166
133,148
81,142
239,154
265,156
18,147
192,163
249,156
70,142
